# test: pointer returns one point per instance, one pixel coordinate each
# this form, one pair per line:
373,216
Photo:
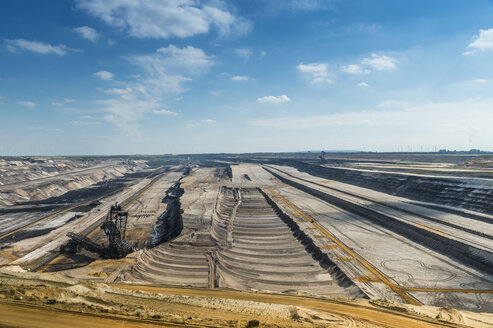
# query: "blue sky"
182,76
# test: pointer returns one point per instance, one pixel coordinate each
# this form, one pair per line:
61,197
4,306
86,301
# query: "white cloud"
104,75
321,80
126,112
58,104
36,46
164,112
194,123
28,104
482,42
262,53
435,123
162,73
167,18
316,71
355,69
373,63
473,83
68,100
479,81
85,123
274,99
296,6
240,78
379,62
87,33
169,68
363,84
308,5
243,53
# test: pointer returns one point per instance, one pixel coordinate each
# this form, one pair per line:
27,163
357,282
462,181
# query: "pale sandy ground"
50,297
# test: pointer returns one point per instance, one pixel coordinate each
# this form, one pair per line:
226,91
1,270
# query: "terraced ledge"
478,258
270,252
317,253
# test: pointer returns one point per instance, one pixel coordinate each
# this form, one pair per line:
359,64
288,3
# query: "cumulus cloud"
28,104
240,78
379,62
87,33
104,75
482,42
375,62
164,112
274,99
363,84
167,18
316,71
355,69
36,46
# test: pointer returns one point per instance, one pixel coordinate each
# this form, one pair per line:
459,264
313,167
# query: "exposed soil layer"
31,300
249,245
54,180
268,228
473,194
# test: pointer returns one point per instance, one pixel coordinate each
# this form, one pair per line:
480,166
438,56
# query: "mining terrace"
405,230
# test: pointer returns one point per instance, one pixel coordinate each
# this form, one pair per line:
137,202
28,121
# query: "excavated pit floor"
241,244
233,237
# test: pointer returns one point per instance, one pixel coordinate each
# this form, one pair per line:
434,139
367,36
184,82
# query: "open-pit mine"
265,240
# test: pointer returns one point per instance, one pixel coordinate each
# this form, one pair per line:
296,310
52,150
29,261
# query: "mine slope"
264,228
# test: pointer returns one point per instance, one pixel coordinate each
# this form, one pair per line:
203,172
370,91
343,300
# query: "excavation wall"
169,224
476,257
18,184
472,194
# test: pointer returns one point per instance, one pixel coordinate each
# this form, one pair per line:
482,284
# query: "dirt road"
29,316
360,313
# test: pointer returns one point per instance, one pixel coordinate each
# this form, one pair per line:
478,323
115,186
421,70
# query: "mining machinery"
114,226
